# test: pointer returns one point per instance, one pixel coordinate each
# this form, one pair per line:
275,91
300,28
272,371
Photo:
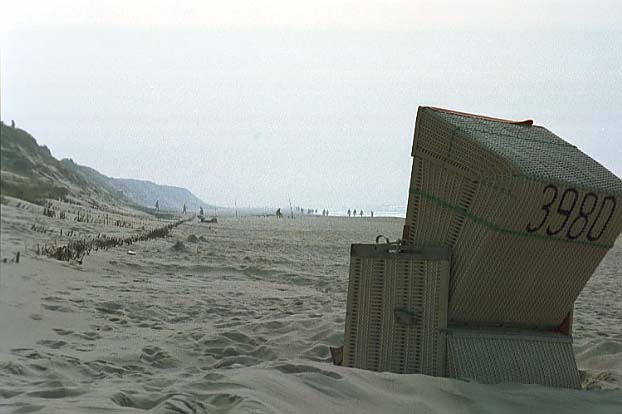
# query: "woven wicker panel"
527,357
437,139
522,248
535,151
397,306
450,184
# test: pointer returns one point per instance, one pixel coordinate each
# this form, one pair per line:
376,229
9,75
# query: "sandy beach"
238,320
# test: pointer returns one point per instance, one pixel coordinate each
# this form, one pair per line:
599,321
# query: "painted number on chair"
580,215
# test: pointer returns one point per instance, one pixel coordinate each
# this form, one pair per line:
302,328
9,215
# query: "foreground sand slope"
239,319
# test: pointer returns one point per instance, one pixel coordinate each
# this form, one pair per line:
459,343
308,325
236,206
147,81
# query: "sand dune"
238,320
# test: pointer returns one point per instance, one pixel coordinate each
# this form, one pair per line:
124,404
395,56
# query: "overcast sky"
257,101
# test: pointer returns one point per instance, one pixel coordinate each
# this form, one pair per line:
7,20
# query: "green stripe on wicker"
500,229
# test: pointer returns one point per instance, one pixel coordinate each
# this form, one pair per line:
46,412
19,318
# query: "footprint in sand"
6,394
50,343
53,299
57,392
57,308
118,320
28,353
14,368
123,399
83,347
300,369
224,401
112,308
101,366
158,357
177,403
90,336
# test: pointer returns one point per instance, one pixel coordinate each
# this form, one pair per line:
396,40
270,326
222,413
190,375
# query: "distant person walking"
372,213
278,213
361,213
350,212
354,212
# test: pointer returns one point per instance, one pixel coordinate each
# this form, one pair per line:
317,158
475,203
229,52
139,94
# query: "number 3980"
591,214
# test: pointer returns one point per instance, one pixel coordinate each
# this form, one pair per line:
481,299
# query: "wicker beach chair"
527,215
527,218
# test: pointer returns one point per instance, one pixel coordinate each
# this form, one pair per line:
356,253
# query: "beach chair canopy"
528,216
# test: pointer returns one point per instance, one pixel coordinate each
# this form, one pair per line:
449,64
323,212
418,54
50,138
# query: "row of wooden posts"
76,250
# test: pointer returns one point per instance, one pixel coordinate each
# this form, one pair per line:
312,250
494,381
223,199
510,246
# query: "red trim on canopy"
527,122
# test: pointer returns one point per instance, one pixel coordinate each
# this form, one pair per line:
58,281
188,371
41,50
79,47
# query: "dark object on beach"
17,258
12,123
336,354
192,239
49,210
203,239
278,213
213,220
179,246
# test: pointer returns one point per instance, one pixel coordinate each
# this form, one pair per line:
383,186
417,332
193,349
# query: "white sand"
241,322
